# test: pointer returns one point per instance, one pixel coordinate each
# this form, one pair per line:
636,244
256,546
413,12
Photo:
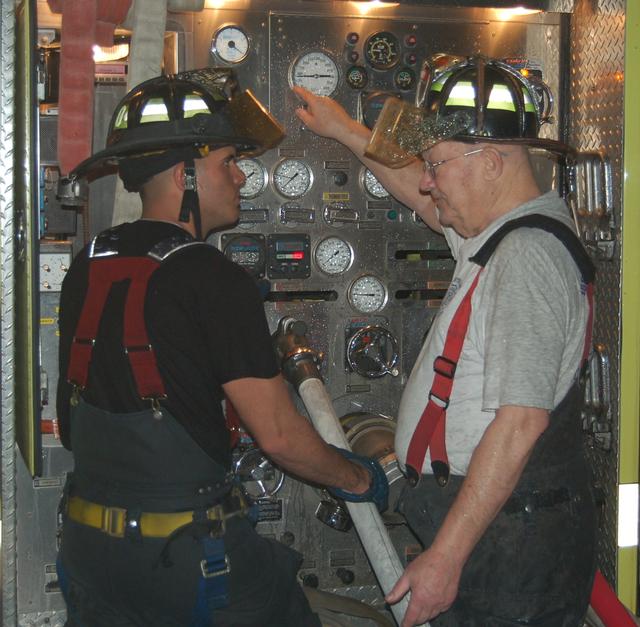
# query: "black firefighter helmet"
471,99
179,118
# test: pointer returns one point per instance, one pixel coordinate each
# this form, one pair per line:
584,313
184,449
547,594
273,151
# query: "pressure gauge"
292,178
333,256
230,44
357,77
256,177
367,294
316,71
372,186
382,50
404,78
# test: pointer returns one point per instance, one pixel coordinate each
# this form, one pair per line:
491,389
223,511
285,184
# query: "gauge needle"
314,76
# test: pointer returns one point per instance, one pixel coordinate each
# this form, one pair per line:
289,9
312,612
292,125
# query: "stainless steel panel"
596,122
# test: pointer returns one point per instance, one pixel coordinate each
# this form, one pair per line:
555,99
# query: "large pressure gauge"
367,294
316,71
230,44
256,177
382,50
333,256
292,178
372,186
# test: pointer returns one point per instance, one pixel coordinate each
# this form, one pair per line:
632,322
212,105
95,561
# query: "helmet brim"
403,131
254,130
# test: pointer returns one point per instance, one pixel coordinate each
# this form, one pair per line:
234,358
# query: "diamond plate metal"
7,367
596,122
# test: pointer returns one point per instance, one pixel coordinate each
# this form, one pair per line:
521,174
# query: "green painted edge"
630,355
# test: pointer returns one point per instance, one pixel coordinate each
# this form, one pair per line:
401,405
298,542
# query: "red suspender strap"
430,431
103,273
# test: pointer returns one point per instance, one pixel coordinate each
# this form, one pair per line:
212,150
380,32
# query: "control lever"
597,409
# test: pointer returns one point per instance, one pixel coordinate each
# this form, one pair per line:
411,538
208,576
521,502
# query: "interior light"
370,5
214,4
508,14
105,54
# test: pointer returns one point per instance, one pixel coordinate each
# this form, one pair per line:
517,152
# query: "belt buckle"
208,573
114,521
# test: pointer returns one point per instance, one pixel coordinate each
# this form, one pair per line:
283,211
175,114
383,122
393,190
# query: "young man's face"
219,183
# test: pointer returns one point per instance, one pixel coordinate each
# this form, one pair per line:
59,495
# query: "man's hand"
325,117
432,578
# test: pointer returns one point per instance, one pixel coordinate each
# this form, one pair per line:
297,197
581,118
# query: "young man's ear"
178,175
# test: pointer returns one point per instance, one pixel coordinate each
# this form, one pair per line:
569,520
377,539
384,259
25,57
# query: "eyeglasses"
431,167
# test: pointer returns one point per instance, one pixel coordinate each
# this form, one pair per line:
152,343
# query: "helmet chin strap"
190,202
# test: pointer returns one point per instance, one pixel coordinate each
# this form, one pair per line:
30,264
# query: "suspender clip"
444,367
443,403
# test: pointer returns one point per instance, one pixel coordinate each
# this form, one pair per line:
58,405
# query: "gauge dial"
256,178
382,50
292,178
357,77
231,44
367,294
333,255
315,71
405,78
372,186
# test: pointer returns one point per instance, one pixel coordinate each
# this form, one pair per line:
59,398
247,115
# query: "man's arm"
324,116
494,470
268,413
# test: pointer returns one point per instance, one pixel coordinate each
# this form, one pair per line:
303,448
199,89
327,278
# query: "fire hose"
299,366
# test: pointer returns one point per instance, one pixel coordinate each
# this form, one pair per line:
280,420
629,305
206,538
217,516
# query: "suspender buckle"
135,349
443,403
209,570
444,367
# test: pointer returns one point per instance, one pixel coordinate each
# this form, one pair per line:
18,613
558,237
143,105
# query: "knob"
345,575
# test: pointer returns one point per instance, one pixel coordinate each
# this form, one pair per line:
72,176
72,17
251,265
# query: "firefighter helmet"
473,99
168,117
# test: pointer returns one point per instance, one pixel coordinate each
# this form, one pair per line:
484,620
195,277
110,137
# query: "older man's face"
453,178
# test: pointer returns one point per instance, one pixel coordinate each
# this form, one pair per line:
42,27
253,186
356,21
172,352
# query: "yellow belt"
113,520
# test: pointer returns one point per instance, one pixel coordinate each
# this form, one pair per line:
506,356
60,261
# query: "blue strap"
213,587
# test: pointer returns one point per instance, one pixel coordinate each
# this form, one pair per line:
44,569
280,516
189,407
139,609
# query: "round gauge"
382,50
231,44
404,78
247,251
292,178
357,77
372,186
333,255
367,294
256,177
316,71
372,105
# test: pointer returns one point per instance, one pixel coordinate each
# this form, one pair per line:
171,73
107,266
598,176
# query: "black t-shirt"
205,320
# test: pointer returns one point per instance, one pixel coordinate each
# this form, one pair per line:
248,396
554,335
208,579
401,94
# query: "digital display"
289,256
289,246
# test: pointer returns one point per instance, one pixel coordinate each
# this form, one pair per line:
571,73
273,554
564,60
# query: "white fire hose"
365,516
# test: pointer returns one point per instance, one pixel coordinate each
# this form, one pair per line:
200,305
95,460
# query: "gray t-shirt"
525,338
